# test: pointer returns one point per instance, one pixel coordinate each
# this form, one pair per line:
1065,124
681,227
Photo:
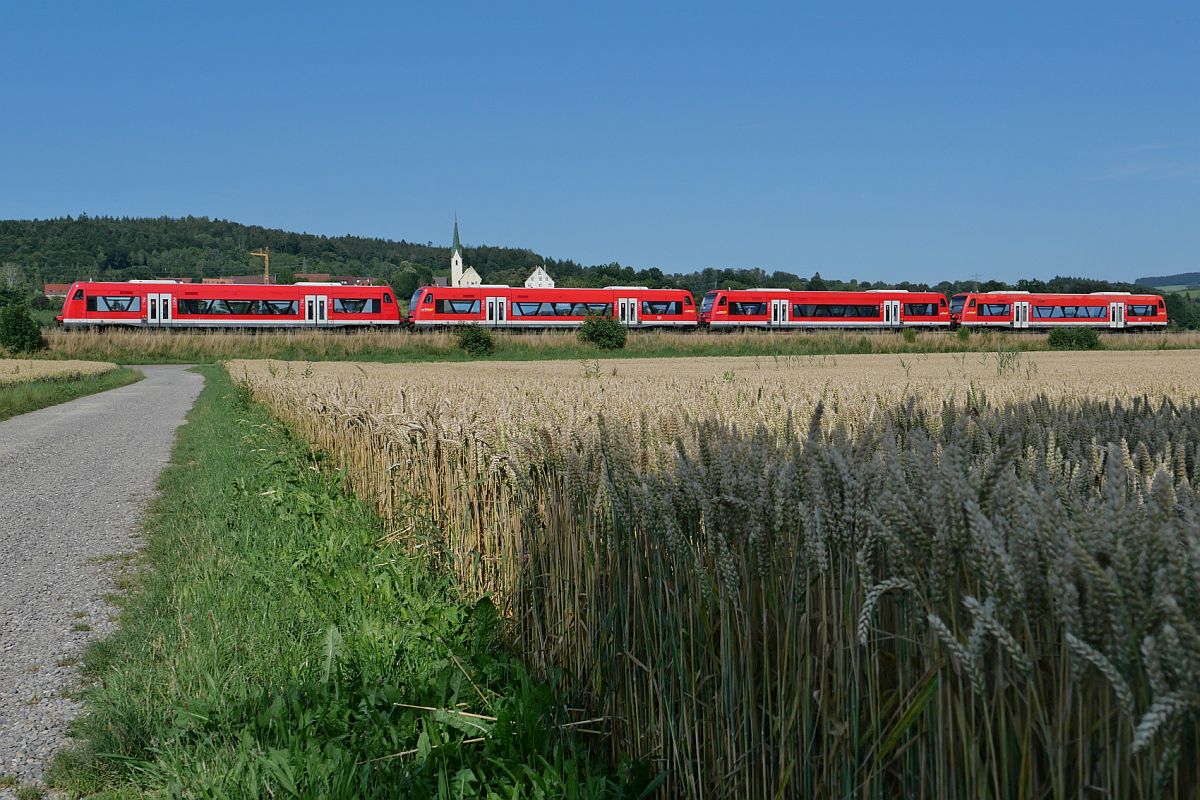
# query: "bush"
604,332
1074,339
476,341
964,335
41,303
19,333
909,335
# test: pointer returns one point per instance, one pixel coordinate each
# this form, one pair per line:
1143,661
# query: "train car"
1036,311
520,307
172,304
731,309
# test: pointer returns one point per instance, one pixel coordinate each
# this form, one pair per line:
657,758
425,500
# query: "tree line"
33,252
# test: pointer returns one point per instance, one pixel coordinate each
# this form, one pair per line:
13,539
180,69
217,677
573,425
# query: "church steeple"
456,258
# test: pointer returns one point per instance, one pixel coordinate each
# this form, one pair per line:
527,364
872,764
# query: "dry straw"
933,576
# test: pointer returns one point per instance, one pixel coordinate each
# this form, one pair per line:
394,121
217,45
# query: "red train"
171,304
519,307
1116,310
781,308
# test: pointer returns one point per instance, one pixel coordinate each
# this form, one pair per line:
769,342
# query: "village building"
459,276
538,279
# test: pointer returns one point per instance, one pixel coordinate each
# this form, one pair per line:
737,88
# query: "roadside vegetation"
280,641
27,385
201,347
937,576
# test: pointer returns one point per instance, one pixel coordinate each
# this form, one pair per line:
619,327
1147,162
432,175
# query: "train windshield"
956,303
707,304
412,304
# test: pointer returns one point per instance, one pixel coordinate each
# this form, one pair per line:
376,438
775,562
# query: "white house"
539,279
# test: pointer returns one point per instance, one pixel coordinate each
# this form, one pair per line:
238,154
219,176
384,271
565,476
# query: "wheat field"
15,370
936,575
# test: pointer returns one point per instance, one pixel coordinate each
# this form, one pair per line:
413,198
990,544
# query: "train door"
1116,315
891,313
627,310
779,312
1021,314
497,310
158,308
316,309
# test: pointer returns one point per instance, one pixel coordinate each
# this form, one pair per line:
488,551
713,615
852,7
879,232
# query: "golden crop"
20,370
969,575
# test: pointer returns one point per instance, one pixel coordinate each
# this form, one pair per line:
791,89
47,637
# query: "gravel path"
74,480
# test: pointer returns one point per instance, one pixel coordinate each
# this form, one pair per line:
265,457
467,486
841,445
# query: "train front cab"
1025,311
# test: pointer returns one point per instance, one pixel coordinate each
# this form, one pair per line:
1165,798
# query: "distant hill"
1182,280
111,248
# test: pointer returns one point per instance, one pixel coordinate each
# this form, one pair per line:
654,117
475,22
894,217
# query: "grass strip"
21,398
204,347
274,644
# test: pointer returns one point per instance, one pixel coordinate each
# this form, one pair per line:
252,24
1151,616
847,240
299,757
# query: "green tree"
19,333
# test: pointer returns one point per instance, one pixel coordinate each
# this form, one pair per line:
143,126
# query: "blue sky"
880,141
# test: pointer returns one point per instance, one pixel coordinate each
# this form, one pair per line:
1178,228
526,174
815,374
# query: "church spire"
457,246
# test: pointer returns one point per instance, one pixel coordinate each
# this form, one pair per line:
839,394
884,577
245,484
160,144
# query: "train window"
920,310
687,300
416,298
457,307
724,302
428,297
747,309
246,308
1141,310
812,310
972,305
661,307
387,299
355,305
277,307
942,302
707,303
603,309
119,304
956,303
78,294
994,309
537,309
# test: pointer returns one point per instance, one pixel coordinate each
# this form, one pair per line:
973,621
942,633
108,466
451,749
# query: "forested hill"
33,252
61,250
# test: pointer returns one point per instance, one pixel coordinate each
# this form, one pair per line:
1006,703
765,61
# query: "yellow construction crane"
265,255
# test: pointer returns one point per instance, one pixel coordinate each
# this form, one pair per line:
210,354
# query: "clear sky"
881,141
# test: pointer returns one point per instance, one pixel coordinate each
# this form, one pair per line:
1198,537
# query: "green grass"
276,645
198,347
21,398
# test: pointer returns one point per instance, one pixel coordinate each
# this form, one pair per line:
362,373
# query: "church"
459,277
538,279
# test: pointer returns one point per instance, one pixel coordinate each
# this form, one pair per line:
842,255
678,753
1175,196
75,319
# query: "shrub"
1074,339
964,335
19,332
41,303
909,335
476,341
604,332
